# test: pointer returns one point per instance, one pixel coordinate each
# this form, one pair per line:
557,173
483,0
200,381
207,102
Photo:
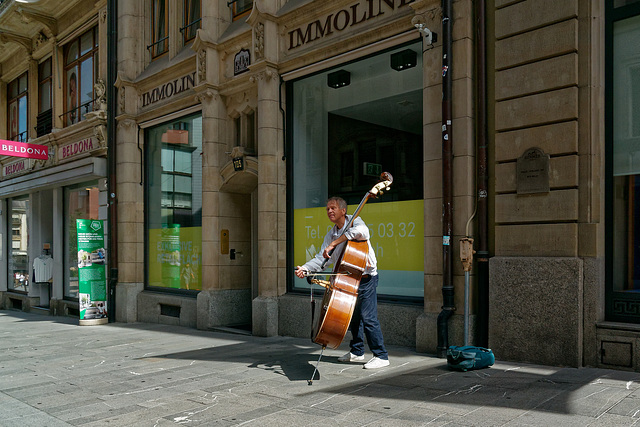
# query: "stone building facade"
52,86
236,120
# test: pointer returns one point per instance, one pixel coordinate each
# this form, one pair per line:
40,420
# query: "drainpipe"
447,183
482,177
112,33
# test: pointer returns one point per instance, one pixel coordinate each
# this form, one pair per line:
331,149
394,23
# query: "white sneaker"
350,357
376,363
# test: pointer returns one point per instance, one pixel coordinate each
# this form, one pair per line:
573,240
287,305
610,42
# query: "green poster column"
92,277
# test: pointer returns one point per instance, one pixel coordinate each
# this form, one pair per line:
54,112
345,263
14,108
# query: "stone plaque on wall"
532,172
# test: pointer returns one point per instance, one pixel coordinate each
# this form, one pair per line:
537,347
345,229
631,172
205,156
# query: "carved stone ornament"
259,40
101,100
202,65
237,151
127,124
122,101
207,95
41,38
100,132
264,75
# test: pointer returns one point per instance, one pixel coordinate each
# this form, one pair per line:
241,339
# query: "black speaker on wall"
339,79
404,59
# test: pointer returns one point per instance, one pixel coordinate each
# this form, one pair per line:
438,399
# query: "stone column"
271,205
130,236
130,193
428,14
211,306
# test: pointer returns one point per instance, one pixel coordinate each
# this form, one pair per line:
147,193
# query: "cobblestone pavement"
54,373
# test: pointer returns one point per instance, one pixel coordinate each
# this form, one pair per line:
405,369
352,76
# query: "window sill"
618,326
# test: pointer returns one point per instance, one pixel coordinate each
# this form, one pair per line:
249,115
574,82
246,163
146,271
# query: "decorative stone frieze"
202,65
258,41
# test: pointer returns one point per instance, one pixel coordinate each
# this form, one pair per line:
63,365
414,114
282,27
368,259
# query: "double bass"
341,291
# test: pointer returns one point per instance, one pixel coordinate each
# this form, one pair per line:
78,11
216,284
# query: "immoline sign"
357,13
168,89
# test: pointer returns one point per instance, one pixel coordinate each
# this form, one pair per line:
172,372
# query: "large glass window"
623,162
81,202
174,204
18,109
349,124
19,277
81,64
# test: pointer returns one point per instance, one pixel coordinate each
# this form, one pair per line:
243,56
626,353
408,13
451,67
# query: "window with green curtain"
174,204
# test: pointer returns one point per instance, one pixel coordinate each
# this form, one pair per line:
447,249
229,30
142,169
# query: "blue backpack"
469,357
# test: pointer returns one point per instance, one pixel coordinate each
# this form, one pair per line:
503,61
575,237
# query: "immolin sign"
340,20
168,89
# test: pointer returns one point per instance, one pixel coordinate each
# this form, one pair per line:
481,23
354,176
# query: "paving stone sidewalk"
54,373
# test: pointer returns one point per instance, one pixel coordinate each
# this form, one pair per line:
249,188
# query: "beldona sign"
23,149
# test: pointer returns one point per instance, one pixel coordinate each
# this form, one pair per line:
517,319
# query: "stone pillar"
428,15
211,305
130,193
130,234
131,57
271,205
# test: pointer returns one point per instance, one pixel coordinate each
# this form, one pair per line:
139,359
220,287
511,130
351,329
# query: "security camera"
429,36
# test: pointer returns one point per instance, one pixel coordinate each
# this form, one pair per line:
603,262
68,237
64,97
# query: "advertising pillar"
92,278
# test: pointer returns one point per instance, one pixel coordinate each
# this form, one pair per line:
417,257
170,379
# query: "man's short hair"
342,204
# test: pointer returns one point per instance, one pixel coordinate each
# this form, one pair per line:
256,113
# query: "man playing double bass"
365,315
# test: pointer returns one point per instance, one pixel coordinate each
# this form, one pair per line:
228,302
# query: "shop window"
192,19
240,8
623,161
349,124
19,277
159,28
174,205
81,202
44,119
80,71
245,131
18,108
